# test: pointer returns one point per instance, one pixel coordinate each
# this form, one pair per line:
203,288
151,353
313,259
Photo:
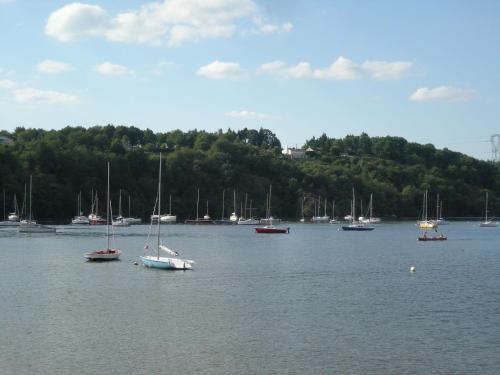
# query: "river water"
315,301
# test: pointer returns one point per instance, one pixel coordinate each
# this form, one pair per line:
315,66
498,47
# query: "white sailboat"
108,253
30,225
132,220
425,223
334,219
169,218
488,223
13,219
234,215
320,219
440,220
250,220
170,262
119,220
80,219
371,219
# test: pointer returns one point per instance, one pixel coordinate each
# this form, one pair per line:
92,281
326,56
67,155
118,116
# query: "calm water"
316,301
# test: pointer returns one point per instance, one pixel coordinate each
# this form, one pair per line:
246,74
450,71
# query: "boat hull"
167,263
488,224
104,255
248,222
272,230
199,222
433,238
356,228
9,223
34,228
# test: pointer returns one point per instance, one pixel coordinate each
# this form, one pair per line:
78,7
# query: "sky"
428,71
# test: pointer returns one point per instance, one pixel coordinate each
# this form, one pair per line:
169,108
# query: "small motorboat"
272,229
439,237
357,227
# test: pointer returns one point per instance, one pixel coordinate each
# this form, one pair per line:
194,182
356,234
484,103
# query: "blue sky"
427,71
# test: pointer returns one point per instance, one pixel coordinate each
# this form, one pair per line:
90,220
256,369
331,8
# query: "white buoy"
412,269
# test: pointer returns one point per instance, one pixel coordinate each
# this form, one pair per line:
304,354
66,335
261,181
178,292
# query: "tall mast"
170,204
371,206
437,207
246,196
4,204
353,206
107,209
302,206
333,210
325,207
197,204
270,192
486,206
234,201
120,204
159,210
129,206
31,183
223,194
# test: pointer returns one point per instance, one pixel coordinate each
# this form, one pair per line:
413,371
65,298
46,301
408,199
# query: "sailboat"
425,223
169,218
320,219
80,219
108,253
488,223
13,218
94,218
271,228
132,220
248,219
370,219
355,225
169,263
334,219
30,225
302,219
223,220
119,221
234,215
439,217
205,220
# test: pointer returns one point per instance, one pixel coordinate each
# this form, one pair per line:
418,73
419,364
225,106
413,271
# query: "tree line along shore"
71,160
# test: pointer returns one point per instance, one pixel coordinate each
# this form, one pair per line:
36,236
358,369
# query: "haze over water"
314,301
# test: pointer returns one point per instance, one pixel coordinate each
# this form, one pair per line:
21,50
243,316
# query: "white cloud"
443,93
167,22
249,115
383,70
108,68
162,66
341,69
76,20
7,84
53,67
29,94
6,1
223,70
269,28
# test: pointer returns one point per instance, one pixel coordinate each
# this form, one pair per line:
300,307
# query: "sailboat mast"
246,196
371,206
325,207
159,211
486,207
234,201
4,204
353,206
120,204
107,210
223,195
333,210
270,192
31,183
170,204
197,204
437,207
302,206
129,206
